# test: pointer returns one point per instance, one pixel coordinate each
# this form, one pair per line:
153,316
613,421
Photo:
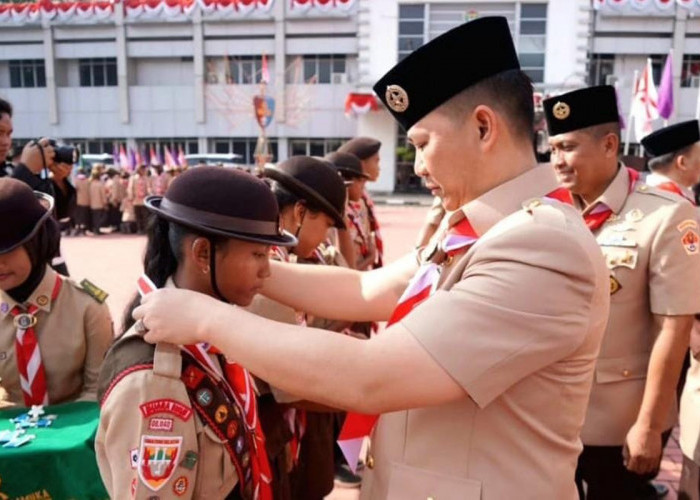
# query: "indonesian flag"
265,73
645,104
123,158
181,157
360,104
154,157
169,160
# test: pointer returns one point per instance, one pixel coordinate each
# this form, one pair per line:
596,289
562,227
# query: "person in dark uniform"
5,137
183,422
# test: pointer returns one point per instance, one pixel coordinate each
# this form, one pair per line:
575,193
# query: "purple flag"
132,160
665,102
115,155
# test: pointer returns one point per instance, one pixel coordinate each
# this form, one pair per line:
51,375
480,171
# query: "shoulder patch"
94,291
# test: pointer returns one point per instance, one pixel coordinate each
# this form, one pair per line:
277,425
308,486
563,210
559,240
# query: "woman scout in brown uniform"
499,328
183,421
311,196
53,333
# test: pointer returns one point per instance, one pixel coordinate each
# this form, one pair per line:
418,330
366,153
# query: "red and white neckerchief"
456,240
600,213
239,386
32,375
374,227
666,184
159,185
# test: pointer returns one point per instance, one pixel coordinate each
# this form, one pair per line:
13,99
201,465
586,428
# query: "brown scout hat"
362,147
23,212
224,202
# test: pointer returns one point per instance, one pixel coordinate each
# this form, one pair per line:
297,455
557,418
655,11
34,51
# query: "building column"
50,70
280,61
678,45
203,146
122,71
198,59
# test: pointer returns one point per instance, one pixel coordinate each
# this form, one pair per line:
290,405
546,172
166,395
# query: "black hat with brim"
347,164
362,147
315,181
581,109
445,66
672,138
24,212
223,202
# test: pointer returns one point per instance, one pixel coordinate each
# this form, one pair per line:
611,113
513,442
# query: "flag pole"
697,106
628,132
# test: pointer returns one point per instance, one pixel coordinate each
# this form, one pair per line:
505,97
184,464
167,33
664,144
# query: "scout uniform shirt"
74,331
517,321
82,191
98,195
663,183
651,247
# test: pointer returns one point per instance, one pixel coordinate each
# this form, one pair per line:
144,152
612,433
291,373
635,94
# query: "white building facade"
183,73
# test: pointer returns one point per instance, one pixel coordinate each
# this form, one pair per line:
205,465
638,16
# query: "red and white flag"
645,107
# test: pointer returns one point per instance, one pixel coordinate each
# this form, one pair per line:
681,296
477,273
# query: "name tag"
617,240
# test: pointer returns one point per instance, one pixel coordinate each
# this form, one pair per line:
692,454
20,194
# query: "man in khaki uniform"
690,423
674,158
651,245
483,386
82,201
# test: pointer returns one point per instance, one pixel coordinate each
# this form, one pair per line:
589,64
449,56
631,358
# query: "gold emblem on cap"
561,110
396,98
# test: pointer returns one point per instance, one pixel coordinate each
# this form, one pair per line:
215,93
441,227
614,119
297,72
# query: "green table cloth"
60,463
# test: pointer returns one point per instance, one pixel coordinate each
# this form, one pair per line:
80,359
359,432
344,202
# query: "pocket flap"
633,366
408,483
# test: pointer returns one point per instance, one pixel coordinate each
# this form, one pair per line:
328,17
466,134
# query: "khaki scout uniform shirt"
98,195
651,249
82,191
74,333
690,412
517,321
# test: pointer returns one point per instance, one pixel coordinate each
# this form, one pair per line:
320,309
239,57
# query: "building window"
27,73
601,68
411,28
690,73
245,147
98,72
241,70
313,147
319,69
532,40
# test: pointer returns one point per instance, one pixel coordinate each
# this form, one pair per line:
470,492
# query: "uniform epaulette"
91,289
128,354
666,195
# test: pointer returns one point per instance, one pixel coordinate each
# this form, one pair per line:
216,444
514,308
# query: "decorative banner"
264,109
102,11
360,104
648,7
322,5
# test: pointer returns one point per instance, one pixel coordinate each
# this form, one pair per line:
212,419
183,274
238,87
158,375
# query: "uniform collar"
655,179
614,196
506,199
40,297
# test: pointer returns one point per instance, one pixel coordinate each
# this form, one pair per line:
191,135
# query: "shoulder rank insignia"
94,291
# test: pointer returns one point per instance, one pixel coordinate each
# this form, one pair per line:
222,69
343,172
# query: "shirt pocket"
630,367
216,473
407,483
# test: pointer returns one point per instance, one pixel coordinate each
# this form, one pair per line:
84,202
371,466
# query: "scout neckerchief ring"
140,328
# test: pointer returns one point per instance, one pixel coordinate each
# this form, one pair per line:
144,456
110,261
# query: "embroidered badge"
171,406
690,242
615,285
158,457
42,300
161,424
192,377
190,460
561,110
221,414
204,397
687,224
232,429
94,291
180,486
134,458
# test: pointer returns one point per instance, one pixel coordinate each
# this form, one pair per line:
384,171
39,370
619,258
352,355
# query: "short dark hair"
5,108
663,162
601,130
509,92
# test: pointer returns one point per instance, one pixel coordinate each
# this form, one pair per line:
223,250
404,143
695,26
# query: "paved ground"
114,263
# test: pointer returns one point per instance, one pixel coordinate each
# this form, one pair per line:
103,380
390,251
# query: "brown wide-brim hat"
223,202
313,180
362,147
347,164
24,212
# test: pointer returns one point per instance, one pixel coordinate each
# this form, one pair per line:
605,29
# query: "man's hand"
32,155
643,449
60,171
